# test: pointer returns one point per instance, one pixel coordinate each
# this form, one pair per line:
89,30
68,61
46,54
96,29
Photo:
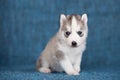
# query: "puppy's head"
73,29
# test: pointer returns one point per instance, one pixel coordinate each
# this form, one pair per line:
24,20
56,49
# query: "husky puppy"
64,51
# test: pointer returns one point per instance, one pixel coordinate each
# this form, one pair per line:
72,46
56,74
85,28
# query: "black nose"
74,43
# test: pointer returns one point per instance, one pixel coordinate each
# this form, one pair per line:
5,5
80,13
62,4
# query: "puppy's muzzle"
74,43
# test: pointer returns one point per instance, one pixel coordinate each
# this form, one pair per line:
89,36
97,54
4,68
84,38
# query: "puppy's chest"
71,53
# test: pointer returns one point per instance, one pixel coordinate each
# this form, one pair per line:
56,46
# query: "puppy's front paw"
77,68
72,73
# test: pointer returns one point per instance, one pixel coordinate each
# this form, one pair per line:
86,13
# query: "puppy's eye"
80,33
67,33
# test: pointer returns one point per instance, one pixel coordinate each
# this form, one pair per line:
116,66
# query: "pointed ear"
84,18
62,19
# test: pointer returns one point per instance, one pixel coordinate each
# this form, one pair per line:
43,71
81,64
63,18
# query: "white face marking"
74,25
68,28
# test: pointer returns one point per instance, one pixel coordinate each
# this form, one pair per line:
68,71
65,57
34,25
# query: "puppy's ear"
62,19
84,18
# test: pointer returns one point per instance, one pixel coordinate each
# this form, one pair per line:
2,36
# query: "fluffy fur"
64,51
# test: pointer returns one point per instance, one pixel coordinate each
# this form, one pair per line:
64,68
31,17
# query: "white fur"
71,52
73,58
74,24
67,66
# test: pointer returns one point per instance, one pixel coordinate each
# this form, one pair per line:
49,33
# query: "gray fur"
50,54
60,55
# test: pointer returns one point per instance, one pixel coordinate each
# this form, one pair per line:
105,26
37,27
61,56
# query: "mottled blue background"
27,25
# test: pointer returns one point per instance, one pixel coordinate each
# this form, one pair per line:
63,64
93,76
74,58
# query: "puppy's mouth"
74,46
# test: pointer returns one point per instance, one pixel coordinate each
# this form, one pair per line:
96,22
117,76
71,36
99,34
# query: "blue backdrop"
27,25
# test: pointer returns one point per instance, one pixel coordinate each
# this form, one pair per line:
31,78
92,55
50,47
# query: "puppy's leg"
77,63
43,66
66,64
